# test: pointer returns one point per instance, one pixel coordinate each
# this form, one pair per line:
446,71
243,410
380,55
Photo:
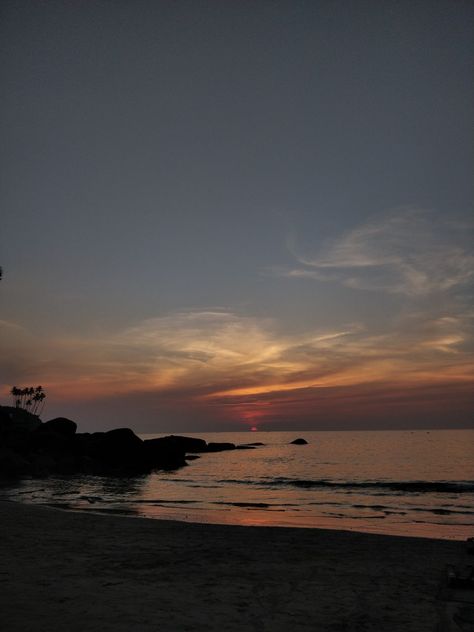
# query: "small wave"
161,501
238,504
353,516
416,487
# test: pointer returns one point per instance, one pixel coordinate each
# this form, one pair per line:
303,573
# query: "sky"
226,215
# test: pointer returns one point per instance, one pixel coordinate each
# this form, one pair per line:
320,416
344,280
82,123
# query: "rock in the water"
189,444
299,442
219,447
118,451
164,453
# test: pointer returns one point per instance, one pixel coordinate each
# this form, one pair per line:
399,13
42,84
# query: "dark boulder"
69,463
13,464
87,443
299,442
19,418
43,464
115,452
122,439
189,444
220,447
15,426
45,440
60,425
118,451
164,453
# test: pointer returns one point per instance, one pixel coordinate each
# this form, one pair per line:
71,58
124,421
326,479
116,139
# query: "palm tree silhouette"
29,398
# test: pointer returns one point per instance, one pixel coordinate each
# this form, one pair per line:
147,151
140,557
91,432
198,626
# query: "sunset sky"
218,215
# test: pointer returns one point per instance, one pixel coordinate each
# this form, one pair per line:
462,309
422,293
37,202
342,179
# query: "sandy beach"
76,572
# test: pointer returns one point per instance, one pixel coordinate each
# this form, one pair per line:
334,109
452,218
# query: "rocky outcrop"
30,447
299,442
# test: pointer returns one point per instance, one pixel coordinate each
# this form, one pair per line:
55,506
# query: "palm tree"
15,393
29,398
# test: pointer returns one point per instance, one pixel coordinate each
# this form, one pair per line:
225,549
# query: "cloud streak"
240,368
409,252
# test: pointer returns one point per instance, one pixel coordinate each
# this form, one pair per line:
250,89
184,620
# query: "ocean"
413,483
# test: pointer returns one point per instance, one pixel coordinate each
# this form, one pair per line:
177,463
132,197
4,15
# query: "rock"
219,447
189,444
45,441
118,451
245,446
13,464
164,453
60,425
19,418
28,446
43,465
68,464
299,442
15,426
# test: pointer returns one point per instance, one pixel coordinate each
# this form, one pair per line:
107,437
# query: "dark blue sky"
298,168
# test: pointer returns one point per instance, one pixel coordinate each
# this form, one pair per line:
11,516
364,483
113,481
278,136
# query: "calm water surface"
396,482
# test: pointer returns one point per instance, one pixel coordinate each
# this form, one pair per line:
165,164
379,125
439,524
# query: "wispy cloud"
408,252
241,365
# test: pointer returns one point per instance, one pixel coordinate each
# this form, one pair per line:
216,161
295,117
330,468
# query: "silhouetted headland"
30,447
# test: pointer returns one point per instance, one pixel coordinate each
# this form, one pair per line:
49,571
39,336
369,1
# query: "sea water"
418,483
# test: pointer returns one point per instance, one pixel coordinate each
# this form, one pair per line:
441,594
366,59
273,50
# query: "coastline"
81,571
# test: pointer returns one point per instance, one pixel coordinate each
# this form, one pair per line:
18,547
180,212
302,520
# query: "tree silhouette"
29,398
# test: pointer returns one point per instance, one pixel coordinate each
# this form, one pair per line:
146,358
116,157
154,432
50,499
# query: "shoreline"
424,531
87,571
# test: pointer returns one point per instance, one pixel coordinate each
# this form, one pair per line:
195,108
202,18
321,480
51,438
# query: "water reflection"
340,480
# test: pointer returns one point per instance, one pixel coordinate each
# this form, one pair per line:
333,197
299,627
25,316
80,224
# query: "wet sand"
74,572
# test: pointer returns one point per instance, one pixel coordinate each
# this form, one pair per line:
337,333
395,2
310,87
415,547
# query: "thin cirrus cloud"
410,252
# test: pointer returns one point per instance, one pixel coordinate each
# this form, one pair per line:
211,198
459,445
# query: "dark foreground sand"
71,572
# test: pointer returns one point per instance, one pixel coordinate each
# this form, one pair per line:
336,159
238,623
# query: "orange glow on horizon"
241,369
